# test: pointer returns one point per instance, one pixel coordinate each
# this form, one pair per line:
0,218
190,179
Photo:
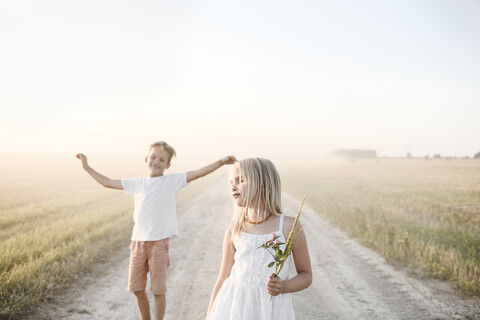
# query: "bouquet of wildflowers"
273,245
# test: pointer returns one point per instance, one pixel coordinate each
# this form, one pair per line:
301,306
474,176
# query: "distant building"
354,153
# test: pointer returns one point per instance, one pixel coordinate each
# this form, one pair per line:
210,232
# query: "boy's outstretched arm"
193,175
100,178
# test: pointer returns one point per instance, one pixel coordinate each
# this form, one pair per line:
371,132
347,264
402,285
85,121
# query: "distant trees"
439,156
366,153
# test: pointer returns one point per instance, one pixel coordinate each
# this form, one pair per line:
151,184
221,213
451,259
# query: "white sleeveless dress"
243,295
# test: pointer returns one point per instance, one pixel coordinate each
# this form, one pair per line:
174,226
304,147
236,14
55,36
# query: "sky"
250,78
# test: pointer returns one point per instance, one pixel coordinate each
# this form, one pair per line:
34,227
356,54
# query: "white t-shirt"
155,202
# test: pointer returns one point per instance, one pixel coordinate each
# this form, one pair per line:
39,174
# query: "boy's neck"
155,176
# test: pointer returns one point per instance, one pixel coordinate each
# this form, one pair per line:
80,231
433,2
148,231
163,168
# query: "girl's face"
238,186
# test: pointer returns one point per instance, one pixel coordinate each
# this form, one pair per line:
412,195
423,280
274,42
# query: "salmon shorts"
148,256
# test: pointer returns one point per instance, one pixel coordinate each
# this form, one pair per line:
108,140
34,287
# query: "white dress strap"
280,227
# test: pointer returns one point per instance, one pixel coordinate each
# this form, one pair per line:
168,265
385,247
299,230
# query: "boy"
155,220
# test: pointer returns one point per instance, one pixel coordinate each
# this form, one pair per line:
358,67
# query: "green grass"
420,214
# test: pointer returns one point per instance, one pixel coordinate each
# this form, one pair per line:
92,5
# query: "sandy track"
350,281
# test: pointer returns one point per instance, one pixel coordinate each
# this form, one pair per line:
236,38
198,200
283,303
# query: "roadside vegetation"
421,214
56,222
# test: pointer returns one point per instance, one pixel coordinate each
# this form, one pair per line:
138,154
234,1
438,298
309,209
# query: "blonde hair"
165,147
263,184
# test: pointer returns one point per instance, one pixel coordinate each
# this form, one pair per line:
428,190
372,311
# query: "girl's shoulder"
288,223
288,220
229,233
229,229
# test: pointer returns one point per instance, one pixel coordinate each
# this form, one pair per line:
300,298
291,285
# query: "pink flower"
274,236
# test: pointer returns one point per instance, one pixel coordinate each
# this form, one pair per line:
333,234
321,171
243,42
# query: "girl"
244,286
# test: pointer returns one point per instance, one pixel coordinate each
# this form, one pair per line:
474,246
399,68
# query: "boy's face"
157,162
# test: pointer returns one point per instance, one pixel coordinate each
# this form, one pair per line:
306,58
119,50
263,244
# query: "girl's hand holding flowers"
274,285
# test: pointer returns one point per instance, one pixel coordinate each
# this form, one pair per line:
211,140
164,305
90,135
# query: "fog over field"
57,224
251,78
389,86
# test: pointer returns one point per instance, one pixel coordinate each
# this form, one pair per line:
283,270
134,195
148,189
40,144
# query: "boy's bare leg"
160,303
143,304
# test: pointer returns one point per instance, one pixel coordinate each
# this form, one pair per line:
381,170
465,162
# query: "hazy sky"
245,77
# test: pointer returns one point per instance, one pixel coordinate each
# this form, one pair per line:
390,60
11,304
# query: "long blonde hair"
263,184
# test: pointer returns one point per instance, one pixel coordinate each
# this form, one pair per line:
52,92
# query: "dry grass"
422,214
56,222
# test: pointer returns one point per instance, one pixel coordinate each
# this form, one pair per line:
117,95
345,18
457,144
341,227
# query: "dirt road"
350,281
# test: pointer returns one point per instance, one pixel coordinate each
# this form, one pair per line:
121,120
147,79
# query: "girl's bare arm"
228,253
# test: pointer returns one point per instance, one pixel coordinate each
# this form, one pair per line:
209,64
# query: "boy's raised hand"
100,178
83,158
195,174
229,160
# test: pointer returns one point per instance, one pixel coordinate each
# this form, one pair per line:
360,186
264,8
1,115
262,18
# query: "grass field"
56,222
421,214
